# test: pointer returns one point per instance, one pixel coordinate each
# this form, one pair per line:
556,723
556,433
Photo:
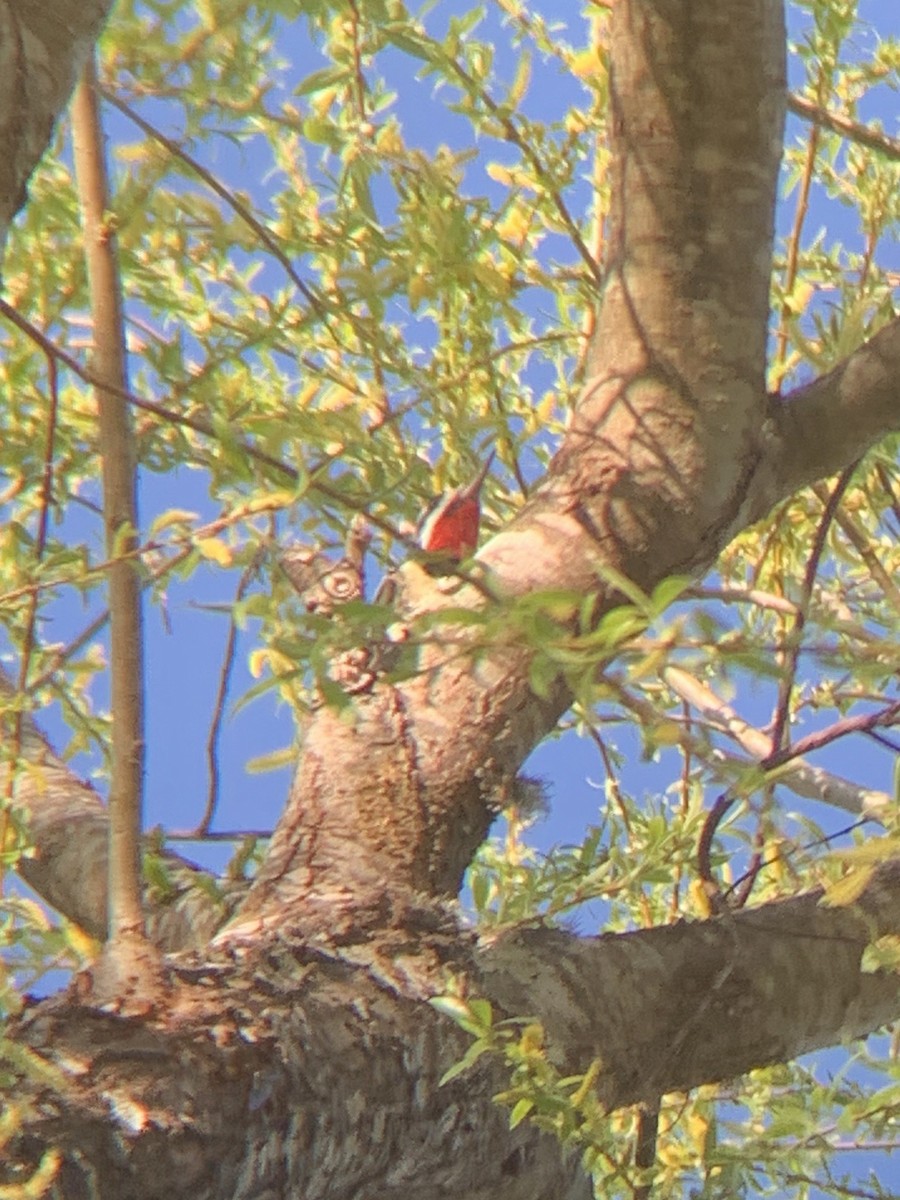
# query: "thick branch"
295,1073
333,1056
649,481
668,457
824,426
670,1008
42,49
68,826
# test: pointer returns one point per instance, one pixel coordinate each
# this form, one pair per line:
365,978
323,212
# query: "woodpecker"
449,529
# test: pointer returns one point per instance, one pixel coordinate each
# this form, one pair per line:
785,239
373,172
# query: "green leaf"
482,1011
274,761
668,591
470,1057
409,42
325,78
846,891
520,1111
451,1006
359,181
172,516
542,675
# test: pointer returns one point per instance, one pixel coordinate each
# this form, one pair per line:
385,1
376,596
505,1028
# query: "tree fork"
650,480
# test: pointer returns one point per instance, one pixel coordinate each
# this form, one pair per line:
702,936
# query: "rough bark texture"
327,1059
42,49
669,1008
303,1060
315,1077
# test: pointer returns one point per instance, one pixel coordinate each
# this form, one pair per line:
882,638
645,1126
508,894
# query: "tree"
295,1052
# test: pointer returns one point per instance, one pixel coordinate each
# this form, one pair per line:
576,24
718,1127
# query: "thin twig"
860,544
199,425
43,522
64,653
359,78
685,789
734,595
793,247
215,727
184,542
889,716
86,375
611,777
231,200
46,499
515,138
883,740
791,650
724,802
785,855
217,835
740,891
704,846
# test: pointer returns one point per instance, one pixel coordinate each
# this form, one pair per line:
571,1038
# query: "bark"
42,49
328,1060
650,481
317,1078
667,1009
68,826
307,1031
828,424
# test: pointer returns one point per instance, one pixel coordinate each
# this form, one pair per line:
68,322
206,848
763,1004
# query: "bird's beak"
471,490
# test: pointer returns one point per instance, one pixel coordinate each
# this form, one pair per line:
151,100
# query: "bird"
448,530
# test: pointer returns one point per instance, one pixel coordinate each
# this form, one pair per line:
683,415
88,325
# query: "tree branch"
822,427
647,484
631,475
669,1008
116,441
69,827
42,49
804,779
854,131
296,1049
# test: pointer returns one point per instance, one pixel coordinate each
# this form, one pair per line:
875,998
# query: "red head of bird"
449,528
